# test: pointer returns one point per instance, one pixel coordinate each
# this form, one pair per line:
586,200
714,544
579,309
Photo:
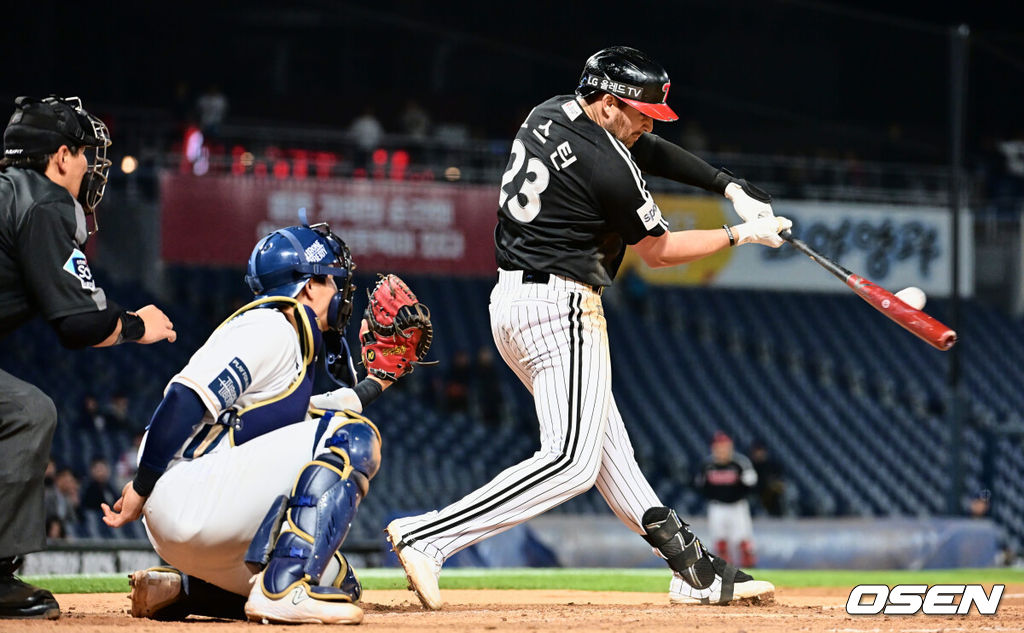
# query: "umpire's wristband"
132,327
145,480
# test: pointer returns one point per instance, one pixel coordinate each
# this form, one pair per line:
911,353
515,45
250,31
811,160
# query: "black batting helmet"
631,76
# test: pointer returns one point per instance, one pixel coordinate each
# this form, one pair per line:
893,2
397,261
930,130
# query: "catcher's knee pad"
357,441
316,517
679,546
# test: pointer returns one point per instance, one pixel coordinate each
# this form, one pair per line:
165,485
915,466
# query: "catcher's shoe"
153,590
301,604
730,585
421,570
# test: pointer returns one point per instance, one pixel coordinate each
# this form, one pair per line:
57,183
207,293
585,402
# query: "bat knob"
786,234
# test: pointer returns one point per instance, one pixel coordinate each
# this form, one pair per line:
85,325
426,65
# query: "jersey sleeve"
246,356
623,196
58,276
654,155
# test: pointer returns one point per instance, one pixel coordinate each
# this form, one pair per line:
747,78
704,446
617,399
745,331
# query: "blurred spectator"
117,414
128,463
90,418
487,387
726,480
51,498
415,120
456,384
212,108
771,484
366,133
98,489
68,496
55,529
979,505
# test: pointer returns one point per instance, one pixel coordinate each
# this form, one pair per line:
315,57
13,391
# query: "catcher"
231,498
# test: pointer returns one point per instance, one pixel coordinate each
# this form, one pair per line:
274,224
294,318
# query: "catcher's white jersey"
554,336
253,358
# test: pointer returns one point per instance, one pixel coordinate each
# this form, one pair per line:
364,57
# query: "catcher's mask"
284,260
40,126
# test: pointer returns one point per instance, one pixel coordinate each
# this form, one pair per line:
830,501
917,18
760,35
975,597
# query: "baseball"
913,297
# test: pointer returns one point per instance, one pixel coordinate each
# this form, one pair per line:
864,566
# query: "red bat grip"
925,327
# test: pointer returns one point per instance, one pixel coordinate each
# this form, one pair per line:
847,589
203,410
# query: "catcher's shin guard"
319,513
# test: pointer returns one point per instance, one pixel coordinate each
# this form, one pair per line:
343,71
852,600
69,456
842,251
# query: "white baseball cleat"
421,570
730,585
297,605
153,589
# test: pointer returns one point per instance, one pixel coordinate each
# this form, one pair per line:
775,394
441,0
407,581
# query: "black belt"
537,277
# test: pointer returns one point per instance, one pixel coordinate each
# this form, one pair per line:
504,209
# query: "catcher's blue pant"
554,336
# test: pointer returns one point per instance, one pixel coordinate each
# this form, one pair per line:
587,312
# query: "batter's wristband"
728,231
132,327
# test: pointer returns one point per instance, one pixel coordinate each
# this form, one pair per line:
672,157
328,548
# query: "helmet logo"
664,89
316,252
617,88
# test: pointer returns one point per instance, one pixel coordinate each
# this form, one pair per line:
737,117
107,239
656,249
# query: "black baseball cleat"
729,585
20,600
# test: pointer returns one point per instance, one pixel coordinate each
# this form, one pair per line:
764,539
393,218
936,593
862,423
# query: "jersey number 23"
535,181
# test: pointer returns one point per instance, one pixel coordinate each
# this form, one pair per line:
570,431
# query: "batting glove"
762,231
750,202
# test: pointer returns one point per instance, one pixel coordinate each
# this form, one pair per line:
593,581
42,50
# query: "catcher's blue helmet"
284,260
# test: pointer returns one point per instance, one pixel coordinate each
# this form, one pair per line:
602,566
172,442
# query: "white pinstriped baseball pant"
554,336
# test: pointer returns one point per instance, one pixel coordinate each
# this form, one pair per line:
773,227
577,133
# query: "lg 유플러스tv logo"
933,600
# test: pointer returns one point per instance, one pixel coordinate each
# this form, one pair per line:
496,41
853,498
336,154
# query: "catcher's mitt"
396,332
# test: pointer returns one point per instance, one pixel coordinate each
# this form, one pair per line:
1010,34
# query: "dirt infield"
803,610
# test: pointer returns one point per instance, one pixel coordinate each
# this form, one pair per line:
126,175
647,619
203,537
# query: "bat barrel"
947,340
921,324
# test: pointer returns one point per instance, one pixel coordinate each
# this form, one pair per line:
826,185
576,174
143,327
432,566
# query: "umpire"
52,176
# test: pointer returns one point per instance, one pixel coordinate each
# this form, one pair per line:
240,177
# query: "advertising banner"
893,246
393,226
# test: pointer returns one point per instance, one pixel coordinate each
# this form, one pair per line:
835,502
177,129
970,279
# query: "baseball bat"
918,323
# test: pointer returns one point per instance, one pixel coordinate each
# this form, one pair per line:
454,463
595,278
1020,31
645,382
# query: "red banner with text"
393,226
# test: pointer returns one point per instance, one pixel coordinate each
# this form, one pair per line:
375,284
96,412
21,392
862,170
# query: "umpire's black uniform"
43,272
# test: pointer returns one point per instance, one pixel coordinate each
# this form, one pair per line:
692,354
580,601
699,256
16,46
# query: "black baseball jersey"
571,198
42,267
729,482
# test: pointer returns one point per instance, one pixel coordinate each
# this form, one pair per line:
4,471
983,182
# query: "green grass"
655,580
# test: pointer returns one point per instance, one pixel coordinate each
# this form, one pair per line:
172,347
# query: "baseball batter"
244,472
572,198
